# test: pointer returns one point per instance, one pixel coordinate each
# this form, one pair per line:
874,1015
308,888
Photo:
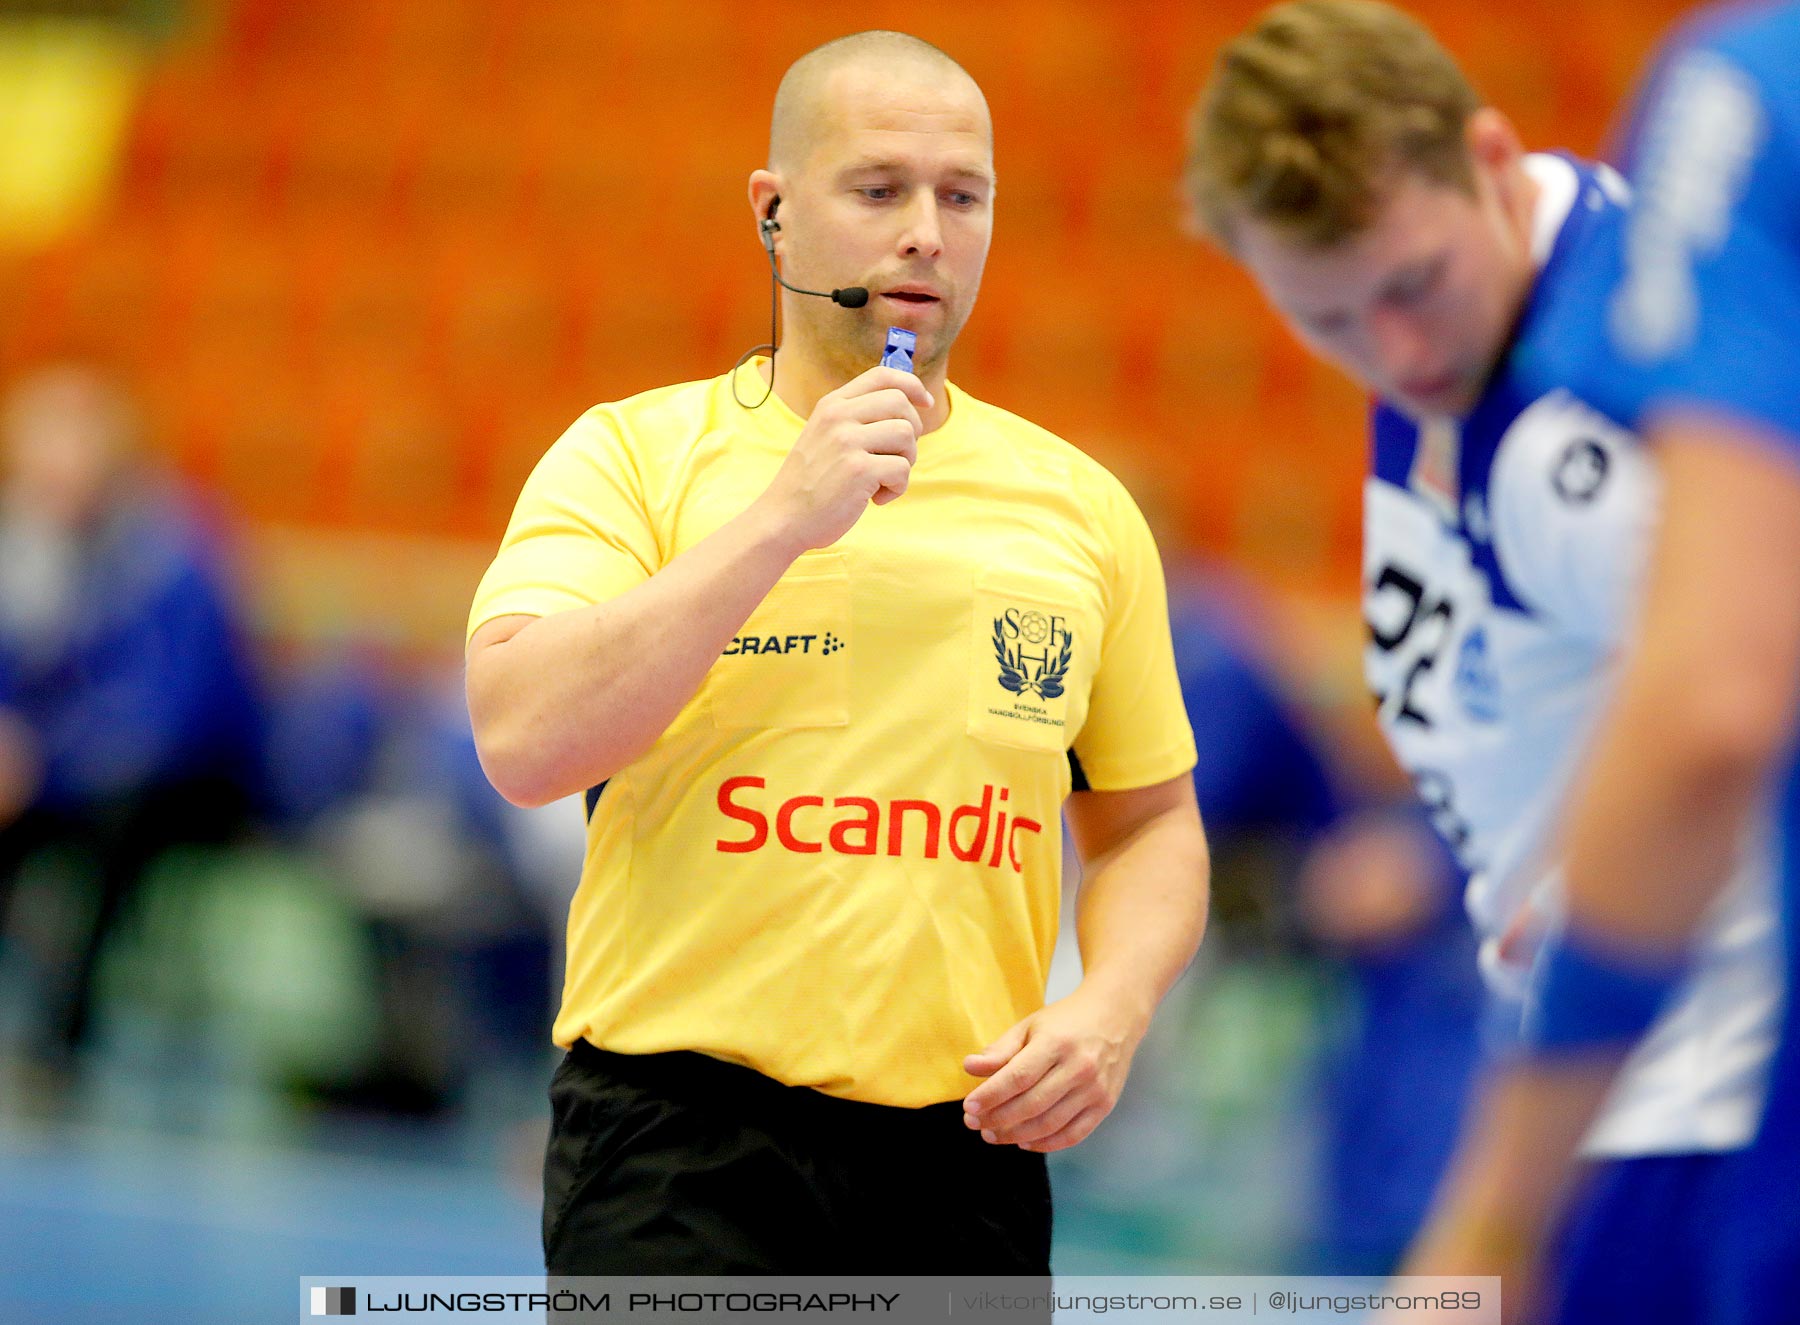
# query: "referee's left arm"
1140,914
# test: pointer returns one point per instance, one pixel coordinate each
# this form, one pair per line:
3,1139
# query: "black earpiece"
854,296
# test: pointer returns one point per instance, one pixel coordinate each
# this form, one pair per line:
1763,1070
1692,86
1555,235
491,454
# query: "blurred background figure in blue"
434,867
1296,1111
128,715
1381,897
1263,775
1322,856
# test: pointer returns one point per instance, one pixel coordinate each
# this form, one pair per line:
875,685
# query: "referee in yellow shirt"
829,667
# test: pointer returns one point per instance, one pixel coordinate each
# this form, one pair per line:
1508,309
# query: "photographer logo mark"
334,1301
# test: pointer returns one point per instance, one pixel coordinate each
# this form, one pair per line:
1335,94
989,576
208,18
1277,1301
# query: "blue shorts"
1684,1239
1758,1257
1640,1242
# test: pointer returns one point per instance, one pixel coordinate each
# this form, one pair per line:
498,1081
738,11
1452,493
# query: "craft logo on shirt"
762,645
1033,649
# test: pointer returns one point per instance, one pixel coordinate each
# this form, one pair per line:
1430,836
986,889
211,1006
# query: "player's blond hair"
1310,114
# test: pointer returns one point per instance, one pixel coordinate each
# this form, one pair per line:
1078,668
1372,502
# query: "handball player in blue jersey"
1400,228
1689,331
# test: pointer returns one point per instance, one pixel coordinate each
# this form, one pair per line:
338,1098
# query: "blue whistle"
899,352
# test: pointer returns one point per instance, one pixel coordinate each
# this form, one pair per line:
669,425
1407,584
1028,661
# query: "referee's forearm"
569,700
1141,912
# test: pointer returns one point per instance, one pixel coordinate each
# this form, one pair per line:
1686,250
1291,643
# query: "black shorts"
682,1164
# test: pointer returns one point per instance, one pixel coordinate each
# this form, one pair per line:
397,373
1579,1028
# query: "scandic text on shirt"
973,831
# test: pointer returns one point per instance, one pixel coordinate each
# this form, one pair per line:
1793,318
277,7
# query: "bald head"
881,161
804,100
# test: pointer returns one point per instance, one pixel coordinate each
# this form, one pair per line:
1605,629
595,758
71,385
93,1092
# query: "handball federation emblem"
1033,650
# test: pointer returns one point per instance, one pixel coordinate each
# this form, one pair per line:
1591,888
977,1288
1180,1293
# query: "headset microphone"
852,296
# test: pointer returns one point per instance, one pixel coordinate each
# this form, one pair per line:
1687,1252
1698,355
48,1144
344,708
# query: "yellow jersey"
840,866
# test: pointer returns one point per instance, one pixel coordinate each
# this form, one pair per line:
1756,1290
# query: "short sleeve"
580,532
1137,731
1573,498
1709,301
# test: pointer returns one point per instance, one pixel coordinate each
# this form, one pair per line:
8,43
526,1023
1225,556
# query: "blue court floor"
196,1196
110,1226
115,1226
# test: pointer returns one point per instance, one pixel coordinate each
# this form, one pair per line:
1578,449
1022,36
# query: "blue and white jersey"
1699,303
1697,298
1502,554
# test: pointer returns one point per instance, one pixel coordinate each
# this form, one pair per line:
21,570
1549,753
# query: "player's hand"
858,447
1371,883
1053,1077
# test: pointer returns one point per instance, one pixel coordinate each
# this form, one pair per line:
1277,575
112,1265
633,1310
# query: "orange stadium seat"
368,260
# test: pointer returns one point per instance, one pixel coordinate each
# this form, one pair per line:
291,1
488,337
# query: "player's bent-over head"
1341,155
881,174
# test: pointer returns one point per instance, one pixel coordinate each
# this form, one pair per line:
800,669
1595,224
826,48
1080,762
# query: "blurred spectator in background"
1380,893
424,850
1260,779
128,713
1305,851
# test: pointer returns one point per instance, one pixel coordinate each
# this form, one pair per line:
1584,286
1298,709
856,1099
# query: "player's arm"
1708,696
562,702
1140,914
1706,706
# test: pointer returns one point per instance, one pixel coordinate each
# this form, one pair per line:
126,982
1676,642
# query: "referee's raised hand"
857,447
